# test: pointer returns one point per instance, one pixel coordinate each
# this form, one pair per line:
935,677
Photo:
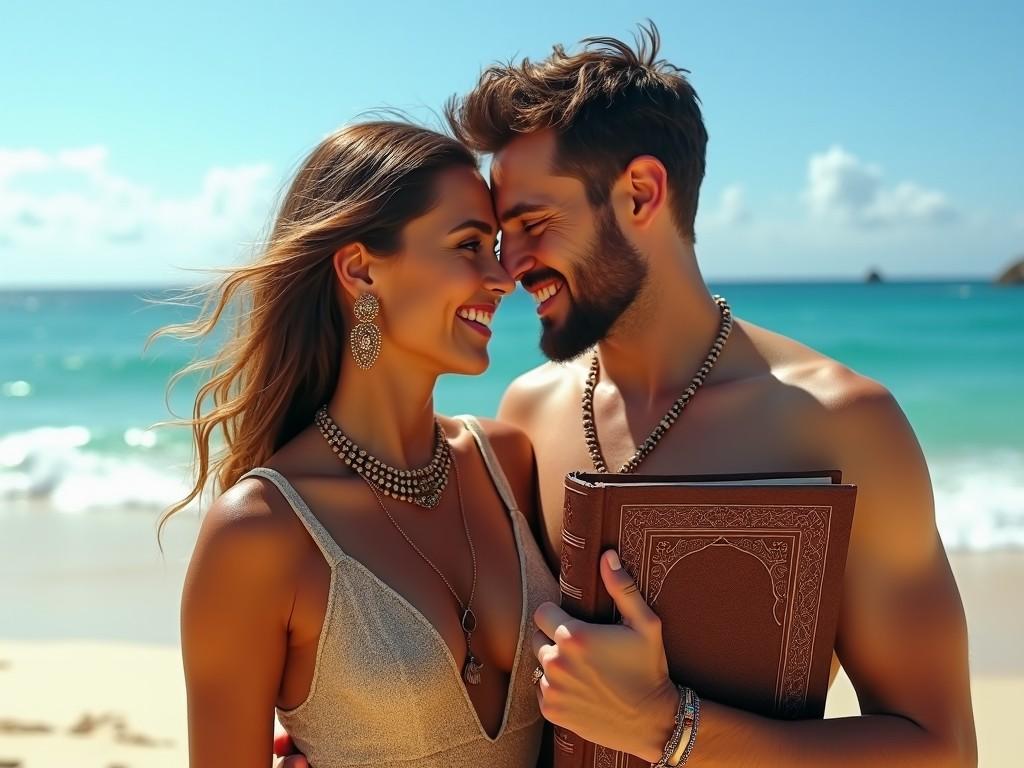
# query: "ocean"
78,396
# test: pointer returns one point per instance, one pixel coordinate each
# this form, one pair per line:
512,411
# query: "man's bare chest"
722,437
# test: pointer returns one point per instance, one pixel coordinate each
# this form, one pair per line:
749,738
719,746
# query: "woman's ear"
643,189
352,268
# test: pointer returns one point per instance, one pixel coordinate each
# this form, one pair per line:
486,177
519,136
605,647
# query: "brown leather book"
745,572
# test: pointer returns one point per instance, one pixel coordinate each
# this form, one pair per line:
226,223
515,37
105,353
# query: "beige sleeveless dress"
386,690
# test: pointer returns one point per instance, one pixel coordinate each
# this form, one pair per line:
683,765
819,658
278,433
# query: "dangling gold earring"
365,337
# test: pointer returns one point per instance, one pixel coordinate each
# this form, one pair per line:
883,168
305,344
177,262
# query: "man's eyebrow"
483,226
518,210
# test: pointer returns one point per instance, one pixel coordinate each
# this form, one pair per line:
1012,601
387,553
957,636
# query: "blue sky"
138,140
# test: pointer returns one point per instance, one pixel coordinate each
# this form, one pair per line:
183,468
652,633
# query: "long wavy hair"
282,355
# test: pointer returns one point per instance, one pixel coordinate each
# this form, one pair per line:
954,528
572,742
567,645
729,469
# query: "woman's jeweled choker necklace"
422,486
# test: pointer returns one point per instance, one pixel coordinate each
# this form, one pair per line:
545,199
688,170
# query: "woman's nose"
498,280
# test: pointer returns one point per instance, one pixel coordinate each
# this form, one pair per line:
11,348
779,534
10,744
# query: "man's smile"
545,292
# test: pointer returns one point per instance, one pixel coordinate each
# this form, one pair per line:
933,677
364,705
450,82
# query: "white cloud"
848,220
841,186
731,212
14,162
733,208
66,216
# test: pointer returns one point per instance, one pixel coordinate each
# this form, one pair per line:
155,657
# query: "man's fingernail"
613,560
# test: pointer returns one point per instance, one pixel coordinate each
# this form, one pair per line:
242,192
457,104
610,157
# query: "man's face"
572,258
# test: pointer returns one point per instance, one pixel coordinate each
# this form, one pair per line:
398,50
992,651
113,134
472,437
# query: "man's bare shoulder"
531,393
857,422
548,376
830,386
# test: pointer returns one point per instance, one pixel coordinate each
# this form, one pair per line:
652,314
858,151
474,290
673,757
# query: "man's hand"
607,683
285,748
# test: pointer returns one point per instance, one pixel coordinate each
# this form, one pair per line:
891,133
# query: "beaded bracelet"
695,720
685,702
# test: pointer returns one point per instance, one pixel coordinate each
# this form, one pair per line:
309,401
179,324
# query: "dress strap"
491,460
331,551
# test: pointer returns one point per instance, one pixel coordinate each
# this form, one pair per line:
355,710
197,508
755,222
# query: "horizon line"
756,280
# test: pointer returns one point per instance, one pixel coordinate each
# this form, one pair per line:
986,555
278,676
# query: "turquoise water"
76,393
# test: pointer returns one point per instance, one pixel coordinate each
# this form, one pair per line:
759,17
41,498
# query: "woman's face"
439,293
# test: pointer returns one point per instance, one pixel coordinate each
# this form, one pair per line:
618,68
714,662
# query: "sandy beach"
110,694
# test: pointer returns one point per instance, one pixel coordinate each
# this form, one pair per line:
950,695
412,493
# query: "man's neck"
661,341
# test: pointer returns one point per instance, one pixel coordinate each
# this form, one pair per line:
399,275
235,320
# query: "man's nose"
516,259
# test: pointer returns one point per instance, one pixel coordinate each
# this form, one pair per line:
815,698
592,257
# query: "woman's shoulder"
514,452
507,438
254,518
251,519
509,442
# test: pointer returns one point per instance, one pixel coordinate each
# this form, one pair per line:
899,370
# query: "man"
597,163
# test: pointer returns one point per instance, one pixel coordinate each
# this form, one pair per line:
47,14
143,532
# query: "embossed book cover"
745,572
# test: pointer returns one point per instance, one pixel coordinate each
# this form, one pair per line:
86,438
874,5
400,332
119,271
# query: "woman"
368,571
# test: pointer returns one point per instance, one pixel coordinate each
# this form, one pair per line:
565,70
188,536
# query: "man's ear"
352,267
642,190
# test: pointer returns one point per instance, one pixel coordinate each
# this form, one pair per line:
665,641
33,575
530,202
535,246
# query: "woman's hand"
285,748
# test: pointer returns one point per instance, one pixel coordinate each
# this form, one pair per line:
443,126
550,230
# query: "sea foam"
979,497
58,467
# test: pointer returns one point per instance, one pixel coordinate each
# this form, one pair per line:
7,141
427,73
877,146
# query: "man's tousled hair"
608,104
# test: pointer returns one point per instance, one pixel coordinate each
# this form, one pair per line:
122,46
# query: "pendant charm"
471,672
429,501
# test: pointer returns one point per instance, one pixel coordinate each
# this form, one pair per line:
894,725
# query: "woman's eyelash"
473,245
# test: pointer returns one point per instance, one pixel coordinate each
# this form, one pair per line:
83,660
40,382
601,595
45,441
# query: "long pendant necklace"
473,667
648,445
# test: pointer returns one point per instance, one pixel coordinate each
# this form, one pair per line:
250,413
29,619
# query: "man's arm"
902,635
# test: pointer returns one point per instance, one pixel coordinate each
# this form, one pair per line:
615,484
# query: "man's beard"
607,280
